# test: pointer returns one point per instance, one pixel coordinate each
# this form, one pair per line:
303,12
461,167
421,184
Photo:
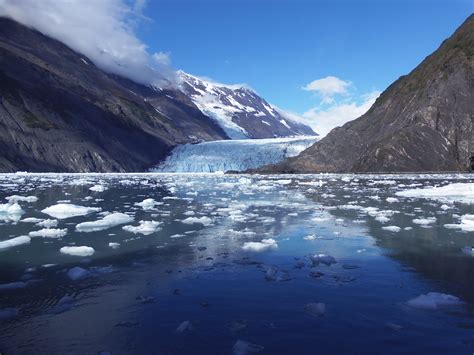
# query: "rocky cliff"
423,122
59,112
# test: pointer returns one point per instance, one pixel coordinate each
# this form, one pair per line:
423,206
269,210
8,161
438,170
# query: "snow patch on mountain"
239,110
238,155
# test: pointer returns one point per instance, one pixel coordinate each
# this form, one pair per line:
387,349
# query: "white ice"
144,227
77,250
265,244
13,242
434,301
457,192
49,233
106,222
68,210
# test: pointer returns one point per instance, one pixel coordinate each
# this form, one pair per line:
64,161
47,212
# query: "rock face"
59,112
422,122
240,111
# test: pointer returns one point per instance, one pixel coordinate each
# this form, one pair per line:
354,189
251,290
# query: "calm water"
198,288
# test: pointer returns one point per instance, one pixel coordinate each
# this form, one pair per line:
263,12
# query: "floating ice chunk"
114,245
77,273
67,210
98,188
265,244
48,223
392,199
466,225
17,198
63,305
13,242
458,192
271,274
434,301
108,221
144,227
315,309
205,221
323,259
31,220
10,212
310,237
77,250
394,229
147,204
424,221
242,347
185,326
49,233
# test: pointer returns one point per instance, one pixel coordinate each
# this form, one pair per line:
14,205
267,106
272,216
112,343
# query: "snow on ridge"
239,110
238,155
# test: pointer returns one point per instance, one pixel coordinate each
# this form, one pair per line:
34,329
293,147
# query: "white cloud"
102,30
323,120
328,87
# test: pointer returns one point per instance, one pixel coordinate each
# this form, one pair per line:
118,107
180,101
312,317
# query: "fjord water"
237,257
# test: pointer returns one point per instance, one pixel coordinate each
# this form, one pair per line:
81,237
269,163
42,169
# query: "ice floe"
77,273
424,221
434,300
10,212
265,244
466,225
98,188
16,198
457,192
144,227
13,242
109,221
49,233
148,204
323,259
68,210
205,221
394,229
77,250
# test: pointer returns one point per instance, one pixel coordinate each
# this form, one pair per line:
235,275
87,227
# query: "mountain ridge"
421,122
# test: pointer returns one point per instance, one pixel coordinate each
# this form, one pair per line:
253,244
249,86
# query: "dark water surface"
198,288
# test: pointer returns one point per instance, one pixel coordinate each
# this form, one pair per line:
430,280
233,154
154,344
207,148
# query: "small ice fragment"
394,229
205,221
77,273
144,227
392,199
434,301
310,237
49,233
63,305
315,309
185,326
13,242
17,198
114,245
77,250
106,222
424,221
260,246
271,274
67,210
323,259
147,204
48,223
98,188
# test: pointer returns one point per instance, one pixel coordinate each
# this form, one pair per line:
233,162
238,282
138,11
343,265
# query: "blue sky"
323,60
279,46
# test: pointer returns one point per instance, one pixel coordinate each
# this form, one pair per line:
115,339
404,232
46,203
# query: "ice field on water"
236,264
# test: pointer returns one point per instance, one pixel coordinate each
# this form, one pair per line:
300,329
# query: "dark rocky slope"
422,122
59,112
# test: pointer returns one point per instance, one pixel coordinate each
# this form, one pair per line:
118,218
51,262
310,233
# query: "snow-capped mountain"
240,112
237,155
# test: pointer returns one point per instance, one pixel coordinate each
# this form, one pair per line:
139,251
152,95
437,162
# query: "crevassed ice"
238,155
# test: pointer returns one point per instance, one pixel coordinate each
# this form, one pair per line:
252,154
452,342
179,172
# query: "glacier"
236,155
